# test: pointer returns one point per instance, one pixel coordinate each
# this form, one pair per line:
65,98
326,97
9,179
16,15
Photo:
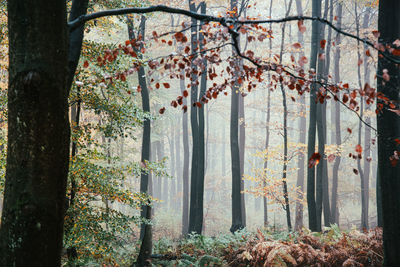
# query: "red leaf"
139,89
376,34
185,93
86,64
345,98
397,140
349,130
166,85
296,45
157,85
359,149
396,52
302,28
323,44
314,160
162,110
180,37
355,171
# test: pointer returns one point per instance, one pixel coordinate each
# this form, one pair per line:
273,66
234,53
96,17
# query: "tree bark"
302,139
388,131
285,131
185,171
38,134
237,214
335,115
314,225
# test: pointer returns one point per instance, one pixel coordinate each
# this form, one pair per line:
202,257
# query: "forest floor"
333,247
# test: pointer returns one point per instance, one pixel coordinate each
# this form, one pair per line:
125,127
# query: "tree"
389,131
38,140
313,223
146,228
238,220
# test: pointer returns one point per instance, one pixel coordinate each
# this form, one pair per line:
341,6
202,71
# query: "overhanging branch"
224,21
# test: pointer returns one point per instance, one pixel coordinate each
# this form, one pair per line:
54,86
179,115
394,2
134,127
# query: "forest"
199,133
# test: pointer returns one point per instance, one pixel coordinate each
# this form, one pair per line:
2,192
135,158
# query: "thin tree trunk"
267,130
237,214
322,170
313,222
364,204
285,130
302,139
242,151
178,167
336,135
145,229
185,171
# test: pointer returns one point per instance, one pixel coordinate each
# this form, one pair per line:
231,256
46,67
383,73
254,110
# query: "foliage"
330,248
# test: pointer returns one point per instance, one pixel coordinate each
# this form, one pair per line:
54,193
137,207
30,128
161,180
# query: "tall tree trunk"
242,151
388,131
38,135
267,129
335,117
364,197
314,223
178,167
197,122
172,190
223,160
367,132
285,130
237,214
302,139
145,229
185,171
323,72
194,205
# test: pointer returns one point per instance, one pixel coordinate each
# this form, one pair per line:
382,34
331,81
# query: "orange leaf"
314,160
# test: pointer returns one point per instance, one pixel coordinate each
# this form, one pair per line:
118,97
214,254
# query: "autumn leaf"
166,85
359,149
185,93
376,34
349,130
296,45
314,160
180,37
86,64
301,26
162,110
323,44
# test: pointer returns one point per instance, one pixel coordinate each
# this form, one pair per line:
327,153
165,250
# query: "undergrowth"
332,247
